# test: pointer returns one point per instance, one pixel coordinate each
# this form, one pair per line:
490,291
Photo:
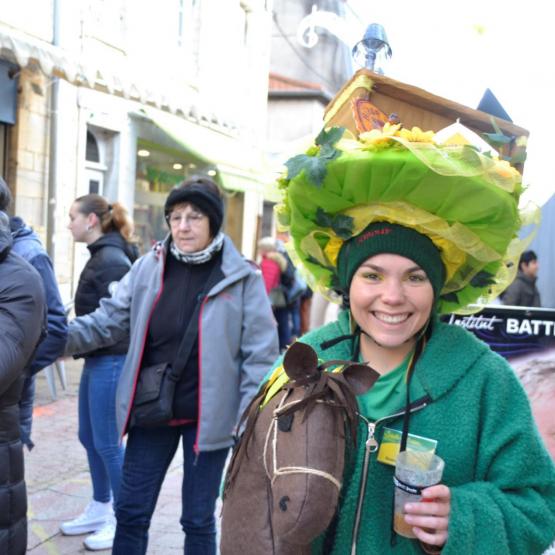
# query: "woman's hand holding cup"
430,516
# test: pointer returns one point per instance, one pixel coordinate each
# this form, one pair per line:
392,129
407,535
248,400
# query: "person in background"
196,269
272,265
22,326
294,286
27,245
523,291
538,380
306,305
108,234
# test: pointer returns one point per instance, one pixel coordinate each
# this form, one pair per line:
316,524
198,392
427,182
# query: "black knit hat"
383,237
204,194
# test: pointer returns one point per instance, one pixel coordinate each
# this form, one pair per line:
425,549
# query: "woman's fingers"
430,516
438,538
428,522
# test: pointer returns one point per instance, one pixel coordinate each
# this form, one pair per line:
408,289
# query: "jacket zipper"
196,449
137,370
372,447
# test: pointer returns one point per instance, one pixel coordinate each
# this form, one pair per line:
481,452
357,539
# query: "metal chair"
60,370
57,367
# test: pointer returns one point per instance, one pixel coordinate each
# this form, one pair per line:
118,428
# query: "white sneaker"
103,538
93,518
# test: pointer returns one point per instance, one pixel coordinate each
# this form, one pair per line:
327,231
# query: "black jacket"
522,292
22,325
111,258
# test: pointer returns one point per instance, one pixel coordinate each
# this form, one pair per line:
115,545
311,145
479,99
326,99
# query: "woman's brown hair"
112,217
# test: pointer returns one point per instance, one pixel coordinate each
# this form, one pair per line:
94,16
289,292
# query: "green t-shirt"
388,395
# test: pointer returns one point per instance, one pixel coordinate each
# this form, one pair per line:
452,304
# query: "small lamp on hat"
373,50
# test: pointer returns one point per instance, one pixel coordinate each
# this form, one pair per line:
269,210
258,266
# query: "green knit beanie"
383,237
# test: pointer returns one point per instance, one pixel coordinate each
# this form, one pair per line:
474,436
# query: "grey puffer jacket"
237,339
22,324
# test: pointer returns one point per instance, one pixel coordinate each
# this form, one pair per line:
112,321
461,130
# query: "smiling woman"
403,229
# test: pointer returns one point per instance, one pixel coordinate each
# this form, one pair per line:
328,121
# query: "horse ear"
360,377
300,361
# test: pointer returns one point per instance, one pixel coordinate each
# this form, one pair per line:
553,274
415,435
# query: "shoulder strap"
191,332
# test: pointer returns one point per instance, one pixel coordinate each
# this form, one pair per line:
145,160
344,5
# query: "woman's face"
391,299
189,227
79,224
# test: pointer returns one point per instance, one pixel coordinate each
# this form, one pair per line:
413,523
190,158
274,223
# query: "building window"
92,154
95,162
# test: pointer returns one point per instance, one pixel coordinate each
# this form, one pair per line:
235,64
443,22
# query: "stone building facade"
127,99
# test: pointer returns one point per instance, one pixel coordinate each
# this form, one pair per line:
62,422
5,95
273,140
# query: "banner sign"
513,332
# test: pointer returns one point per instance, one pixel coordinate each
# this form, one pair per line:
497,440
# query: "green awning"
240,166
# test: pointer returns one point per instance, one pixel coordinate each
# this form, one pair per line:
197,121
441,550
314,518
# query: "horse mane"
329,386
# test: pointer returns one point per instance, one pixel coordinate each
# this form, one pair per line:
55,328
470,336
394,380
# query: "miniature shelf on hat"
369,99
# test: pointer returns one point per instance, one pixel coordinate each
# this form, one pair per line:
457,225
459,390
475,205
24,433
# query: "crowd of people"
146,327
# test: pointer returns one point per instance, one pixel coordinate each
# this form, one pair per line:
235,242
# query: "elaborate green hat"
464,201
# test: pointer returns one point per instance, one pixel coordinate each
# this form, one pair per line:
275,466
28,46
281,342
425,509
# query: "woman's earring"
88,228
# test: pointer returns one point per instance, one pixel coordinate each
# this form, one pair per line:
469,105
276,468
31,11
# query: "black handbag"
155,391
153,403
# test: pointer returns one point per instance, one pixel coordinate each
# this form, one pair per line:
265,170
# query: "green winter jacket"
502,479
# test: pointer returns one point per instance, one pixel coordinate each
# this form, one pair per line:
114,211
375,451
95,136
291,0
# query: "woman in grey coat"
235,341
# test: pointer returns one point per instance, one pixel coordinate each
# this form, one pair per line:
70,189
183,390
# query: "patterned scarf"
199,257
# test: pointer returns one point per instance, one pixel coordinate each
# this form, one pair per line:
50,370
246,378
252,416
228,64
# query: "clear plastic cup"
414,471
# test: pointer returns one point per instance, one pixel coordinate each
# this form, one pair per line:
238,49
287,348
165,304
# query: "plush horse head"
283,482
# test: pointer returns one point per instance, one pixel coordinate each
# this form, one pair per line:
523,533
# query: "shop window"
267,225
159,169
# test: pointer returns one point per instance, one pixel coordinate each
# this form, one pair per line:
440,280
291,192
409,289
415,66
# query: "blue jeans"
282,316
148,454
97,424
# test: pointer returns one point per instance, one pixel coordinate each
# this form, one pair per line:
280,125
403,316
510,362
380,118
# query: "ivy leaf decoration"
313,260
315,166
450,297
323,219
327,141
498,138
342,225
482,279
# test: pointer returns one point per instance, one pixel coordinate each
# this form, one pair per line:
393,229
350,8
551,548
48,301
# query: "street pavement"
58,482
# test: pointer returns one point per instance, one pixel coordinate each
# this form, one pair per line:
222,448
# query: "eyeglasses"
192,219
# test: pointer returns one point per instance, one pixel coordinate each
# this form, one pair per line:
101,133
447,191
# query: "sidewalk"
58,483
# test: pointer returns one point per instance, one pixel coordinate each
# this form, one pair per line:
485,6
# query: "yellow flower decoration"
416,135
504,169
379,136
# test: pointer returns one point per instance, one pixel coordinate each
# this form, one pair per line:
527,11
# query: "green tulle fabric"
466,202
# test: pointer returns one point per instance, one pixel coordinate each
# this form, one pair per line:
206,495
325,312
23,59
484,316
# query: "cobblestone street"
58,481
